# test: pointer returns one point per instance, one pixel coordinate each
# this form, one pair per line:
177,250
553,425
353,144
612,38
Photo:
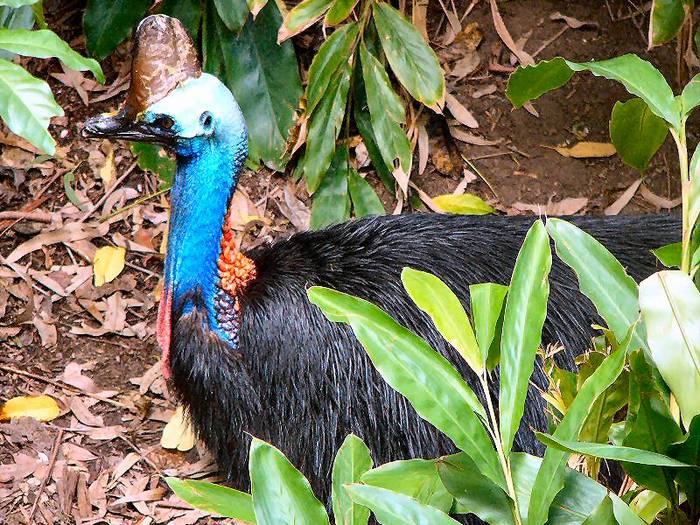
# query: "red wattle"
163,330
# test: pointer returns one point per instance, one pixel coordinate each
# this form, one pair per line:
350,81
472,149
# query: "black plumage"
304,383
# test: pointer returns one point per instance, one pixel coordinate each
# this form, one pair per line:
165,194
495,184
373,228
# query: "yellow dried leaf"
586,150
465,204
43,408
108,171
178,433
108,263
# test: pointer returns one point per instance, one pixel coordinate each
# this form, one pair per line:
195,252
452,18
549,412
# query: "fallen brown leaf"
656,200
568,206
584,150
622,201
462,114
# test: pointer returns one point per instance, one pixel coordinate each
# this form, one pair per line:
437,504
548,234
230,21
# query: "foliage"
247,45
26,102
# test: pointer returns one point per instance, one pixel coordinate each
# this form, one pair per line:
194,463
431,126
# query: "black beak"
121,126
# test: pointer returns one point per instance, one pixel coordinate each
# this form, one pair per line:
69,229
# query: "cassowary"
244,349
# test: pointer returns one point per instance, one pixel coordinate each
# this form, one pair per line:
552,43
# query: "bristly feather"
304,383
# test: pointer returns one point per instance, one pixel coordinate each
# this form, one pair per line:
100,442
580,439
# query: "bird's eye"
206,119
165,122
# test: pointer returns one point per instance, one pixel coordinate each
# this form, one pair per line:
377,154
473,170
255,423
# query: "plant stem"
505,464
682,148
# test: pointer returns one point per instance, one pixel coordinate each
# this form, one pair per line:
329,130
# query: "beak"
121,126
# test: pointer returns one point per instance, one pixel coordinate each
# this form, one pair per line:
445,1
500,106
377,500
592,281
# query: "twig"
38,216
62,385
108,192
141,453
546,43
52,461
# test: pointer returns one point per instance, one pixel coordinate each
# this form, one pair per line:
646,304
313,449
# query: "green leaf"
669,255
487,301
411,59
464,204
68,180
575,502
411,367
614,452
550,477
603,514
694,191
331,204
417,478
153,158
666,20
233,13
474,493
45,44
27,105
436,299
636,132
526,309
333,53
107,23
189,12
649,425
302,16
690,97
670,305
364,199
392,508
339,11
17,3
215,499
263,76
638,76
351,462
386,113
601,278
609,403
324,129
281,494
689,452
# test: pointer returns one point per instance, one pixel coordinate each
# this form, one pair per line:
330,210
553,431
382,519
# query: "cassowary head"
171,102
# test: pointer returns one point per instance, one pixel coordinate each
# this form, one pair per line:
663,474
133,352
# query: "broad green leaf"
649,425
68,180
351,462
575,502
411,59
669,255
216,499
153,158
474,493
392,508
107,23
417,478
302,16
364,198
689,452
614,452
690,97
636,132
648,504
255,6
17,3
45,44
601,278
464,204
666,20
436,299
638,76
324,129
27,105
526,309
670,305
189,12
333,53
411,367
331,203
233,13
550,477
487,301
603,514
386,113
263,76
339,11
609,403
694,191
281,494
531,82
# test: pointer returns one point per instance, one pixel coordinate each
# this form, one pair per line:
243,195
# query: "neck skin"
207,174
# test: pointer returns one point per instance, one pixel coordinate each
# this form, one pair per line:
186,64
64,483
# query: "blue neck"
207,174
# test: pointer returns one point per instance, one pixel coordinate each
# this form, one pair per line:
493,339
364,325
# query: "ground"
93,348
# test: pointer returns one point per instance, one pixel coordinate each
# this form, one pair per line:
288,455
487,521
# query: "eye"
165,122
206,119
